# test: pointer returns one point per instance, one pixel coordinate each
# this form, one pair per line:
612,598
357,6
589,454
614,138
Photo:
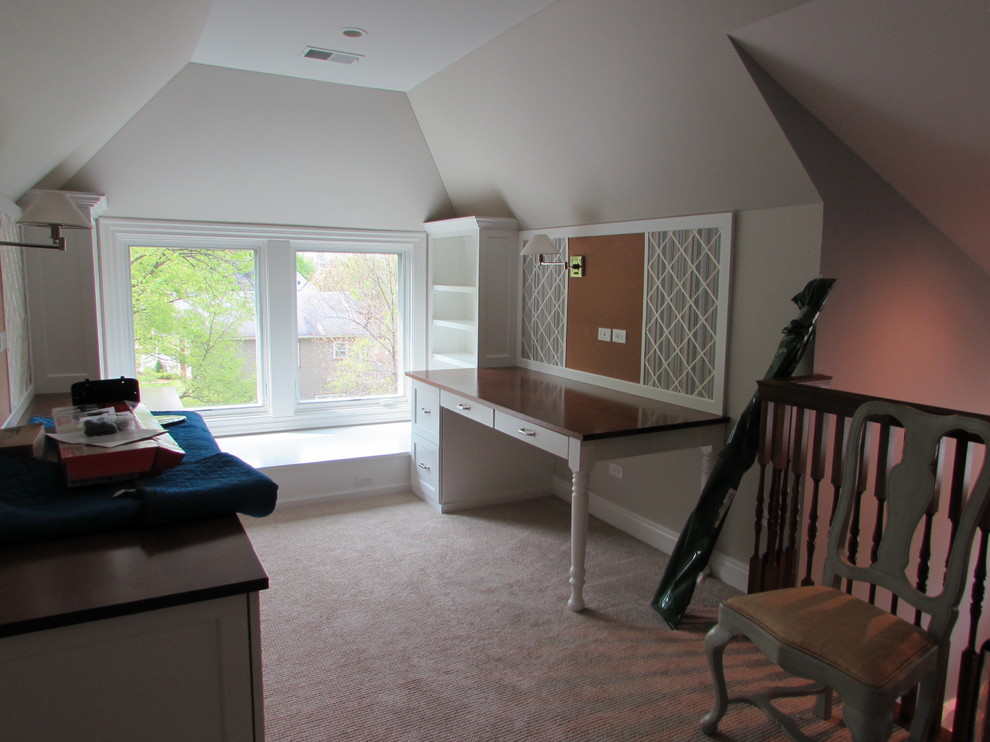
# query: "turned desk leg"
579,536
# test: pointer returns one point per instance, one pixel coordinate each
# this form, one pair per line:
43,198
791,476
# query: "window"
263,328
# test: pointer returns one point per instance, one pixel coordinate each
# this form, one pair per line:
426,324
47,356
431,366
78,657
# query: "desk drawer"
426,411
425,472
468,407
535,435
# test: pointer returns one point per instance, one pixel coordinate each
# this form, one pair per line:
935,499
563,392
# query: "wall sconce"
543,246
52,209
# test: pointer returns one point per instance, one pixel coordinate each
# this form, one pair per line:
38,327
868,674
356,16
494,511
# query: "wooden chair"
869,656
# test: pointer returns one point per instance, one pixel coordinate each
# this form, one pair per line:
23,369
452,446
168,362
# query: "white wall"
907,316
776,255
74,73
226,145
610,110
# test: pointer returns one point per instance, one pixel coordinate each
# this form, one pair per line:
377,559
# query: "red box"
89,464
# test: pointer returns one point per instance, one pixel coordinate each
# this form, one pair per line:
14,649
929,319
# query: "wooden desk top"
573,408
46,584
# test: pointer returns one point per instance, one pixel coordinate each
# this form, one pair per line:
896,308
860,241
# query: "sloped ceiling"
229,145
595,111
906,85
73,73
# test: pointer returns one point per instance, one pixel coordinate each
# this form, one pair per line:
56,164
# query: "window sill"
292,447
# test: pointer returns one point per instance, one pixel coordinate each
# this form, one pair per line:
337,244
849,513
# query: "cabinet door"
181,673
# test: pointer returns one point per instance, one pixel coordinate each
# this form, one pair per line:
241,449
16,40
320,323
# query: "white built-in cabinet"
189,672
148,634
472,264
448,431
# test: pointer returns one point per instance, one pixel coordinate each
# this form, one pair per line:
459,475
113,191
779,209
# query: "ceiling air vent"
329,55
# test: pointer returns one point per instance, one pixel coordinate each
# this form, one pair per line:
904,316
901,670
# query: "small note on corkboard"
610,295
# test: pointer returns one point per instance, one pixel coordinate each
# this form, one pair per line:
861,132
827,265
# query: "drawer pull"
465,407
424,467
425,411
526,431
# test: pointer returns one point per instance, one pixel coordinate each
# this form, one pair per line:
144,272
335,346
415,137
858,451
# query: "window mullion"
280,292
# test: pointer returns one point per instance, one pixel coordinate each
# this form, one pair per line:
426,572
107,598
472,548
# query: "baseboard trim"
348,496
730,571
516,496
342,479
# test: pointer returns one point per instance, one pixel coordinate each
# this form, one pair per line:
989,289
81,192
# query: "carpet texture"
386,620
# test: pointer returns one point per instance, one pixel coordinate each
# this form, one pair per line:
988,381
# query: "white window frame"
275,248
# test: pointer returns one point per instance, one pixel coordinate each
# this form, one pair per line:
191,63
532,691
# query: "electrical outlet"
604,334
618,336
363,481
615,470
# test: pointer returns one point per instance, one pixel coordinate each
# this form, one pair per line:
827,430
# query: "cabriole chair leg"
715,643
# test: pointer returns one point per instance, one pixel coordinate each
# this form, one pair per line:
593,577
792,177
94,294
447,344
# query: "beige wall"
599,111
73,74
226,145
907,316
776,254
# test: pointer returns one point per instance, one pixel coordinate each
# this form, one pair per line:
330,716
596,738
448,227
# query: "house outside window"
340,350
263,329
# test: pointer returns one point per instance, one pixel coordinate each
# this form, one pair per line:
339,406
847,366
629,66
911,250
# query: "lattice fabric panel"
681,311
544,307
15,311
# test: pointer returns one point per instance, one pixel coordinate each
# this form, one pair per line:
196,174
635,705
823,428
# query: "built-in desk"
145,634
454,466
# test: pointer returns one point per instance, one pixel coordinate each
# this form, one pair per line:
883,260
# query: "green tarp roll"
697,539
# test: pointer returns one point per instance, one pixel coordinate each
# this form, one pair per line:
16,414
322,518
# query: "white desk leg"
579,535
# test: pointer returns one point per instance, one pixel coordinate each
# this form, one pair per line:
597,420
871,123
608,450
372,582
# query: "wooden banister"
802,435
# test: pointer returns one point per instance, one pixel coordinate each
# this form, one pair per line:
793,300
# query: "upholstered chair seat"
829,635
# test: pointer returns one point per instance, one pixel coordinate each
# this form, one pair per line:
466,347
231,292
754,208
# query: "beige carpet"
386,620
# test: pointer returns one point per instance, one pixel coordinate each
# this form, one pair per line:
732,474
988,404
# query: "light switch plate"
605,334
577,266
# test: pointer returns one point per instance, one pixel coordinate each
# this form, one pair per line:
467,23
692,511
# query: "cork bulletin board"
665,282
610,296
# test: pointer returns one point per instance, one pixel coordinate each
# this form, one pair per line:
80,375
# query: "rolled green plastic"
698,537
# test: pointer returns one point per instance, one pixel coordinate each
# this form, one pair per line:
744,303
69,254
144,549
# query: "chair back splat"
836,633
912,494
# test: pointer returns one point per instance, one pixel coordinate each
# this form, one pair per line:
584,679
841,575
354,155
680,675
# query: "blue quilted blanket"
36,504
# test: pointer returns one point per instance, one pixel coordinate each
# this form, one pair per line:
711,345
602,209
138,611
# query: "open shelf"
461,360
468,325
471,264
